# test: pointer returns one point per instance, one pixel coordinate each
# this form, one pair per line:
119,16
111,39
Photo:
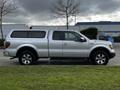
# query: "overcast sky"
37,12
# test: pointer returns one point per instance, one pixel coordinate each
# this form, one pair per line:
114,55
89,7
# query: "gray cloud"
37,6
98,6
40,9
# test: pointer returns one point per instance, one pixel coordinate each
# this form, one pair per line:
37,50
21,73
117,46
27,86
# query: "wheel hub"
26,59
100,59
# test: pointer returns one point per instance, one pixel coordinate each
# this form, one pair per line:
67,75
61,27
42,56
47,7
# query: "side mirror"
82,39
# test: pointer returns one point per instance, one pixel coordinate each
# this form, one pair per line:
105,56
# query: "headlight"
111,47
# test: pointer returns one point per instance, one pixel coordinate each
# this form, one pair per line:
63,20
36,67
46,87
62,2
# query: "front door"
72,46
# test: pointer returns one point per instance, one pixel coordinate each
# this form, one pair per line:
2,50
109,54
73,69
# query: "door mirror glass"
82,39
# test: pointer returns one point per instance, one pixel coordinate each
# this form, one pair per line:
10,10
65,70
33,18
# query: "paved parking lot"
115,61
5,61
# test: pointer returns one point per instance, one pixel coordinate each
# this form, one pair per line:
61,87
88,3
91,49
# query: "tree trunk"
2,37
67,20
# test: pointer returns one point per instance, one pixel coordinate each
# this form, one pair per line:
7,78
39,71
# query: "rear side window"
19,34
28,34
58,35
36,34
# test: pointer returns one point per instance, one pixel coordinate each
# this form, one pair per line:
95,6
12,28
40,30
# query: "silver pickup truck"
30,45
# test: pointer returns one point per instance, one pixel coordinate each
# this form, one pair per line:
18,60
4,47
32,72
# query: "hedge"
2,42
90,32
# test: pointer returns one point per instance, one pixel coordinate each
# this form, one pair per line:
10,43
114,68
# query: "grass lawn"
59,78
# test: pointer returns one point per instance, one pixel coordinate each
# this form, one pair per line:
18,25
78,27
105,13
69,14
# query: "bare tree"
6,7
66,8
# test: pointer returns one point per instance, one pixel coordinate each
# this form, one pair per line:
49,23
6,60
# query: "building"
105,28
55,27
8,27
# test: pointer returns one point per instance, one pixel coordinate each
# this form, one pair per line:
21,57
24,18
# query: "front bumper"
112,55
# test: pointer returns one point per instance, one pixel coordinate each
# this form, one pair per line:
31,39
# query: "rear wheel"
99,58
27,58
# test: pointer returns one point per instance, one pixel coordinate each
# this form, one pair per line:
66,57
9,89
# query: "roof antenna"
30,27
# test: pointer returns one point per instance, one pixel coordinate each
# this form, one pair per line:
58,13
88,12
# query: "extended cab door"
75,45
55,44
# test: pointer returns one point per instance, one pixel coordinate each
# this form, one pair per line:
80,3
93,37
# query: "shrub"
2,42
90,32
117,39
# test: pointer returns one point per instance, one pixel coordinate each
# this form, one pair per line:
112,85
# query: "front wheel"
27,58
100,58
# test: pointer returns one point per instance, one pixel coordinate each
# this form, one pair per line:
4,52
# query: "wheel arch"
99,49
26,48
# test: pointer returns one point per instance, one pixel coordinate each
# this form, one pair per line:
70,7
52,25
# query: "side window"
72,36
36,34
19,34
58,35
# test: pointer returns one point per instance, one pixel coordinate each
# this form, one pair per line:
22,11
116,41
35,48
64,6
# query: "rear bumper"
9,53
5,53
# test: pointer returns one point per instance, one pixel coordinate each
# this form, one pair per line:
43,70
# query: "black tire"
27,58
99,58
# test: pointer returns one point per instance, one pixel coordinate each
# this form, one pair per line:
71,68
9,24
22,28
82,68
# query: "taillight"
7,44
